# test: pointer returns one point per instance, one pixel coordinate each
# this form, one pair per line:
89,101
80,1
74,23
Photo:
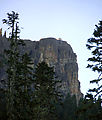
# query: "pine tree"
95,45
20,74
12,55
3,111
46,93
26,91
67,110
89,109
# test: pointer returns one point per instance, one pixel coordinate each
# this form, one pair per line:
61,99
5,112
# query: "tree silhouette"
20,74
46,93
95,45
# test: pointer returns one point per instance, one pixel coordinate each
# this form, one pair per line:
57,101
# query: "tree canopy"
19,74
95,45
46,92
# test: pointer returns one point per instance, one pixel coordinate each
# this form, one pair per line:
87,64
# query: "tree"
95,45
67,111
25,90
89,109
3,115
12,55
20,74
46,92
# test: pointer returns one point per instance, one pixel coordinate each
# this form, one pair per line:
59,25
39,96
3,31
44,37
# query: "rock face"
56,53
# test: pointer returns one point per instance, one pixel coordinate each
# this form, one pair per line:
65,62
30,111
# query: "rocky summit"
55,53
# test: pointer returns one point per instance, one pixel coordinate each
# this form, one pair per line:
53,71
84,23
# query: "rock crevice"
56,53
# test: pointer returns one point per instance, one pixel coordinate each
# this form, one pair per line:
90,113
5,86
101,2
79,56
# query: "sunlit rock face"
59,54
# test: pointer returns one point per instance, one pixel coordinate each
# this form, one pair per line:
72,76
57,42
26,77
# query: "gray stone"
56,53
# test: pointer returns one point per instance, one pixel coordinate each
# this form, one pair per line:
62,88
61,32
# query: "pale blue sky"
71,20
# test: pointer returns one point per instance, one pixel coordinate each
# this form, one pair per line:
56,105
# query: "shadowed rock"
56,53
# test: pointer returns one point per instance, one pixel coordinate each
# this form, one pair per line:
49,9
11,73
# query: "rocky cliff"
56,53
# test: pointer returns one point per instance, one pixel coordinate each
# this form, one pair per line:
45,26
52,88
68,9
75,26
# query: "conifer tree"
95,45
67,110
20,74
46,93
12,55
26,91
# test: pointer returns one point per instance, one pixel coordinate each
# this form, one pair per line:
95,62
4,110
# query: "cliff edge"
56,53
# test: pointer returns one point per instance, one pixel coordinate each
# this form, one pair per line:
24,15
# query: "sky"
71,20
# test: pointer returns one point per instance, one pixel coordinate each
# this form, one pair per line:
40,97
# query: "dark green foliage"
67,110
70,107
46,93
3,115
89,109
95,45
23,88
20,75
13,58
3,60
